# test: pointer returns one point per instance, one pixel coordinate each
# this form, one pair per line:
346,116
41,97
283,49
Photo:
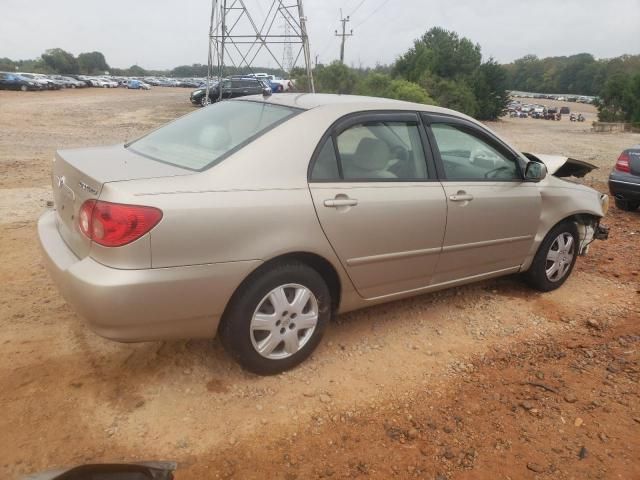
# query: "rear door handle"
341,202
461,197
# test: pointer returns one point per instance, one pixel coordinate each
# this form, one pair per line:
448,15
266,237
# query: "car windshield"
204,138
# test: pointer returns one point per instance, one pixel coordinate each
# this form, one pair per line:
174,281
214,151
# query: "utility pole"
344,35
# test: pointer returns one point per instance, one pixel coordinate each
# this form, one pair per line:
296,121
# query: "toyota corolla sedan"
260,218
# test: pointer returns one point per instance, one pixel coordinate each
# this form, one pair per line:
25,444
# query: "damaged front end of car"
589,226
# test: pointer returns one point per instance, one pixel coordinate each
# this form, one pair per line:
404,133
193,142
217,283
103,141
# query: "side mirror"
535,171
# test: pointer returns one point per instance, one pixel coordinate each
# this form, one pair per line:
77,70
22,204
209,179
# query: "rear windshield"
204,138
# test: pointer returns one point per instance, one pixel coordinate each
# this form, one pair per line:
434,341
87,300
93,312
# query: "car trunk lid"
560,166
634,160
79,175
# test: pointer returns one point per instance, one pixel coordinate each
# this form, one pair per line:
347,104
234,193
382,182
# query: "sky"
161,34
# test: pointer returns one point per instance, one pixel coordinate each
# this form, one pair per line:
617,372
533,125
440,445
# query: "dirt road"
486,381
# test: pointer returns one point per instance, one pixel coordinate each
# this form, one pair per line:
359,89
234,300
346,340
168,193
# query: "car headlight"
604,203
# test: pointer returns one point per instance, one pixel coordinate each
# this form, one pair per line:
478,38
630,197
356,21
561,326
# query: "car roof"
308,101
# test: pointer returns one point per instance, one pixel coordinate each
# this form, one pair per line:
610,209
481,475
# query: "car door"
375,193
492,213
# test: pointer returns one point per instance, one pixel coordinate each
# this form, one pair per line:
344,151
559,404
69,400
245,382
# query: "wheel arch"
320,264
582,220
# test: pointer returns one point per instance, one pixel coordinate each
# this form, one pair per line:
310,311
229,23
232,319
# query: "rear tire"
24,88
626,205
555,258
277,318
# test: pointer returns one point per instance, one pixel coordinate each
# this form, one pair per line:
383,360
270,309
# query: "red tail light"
114,224
622,165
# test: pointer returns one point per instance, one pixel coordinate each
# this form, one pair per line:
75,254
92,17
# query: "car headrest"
372,154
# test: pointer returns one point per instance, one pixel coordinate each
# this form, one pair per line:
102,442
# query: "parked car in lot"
624,181
260,218
12,81
44,83
69,82
231,88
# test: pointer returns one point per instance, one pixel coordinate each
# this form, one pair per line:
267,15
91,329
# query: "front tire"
555,258
24,88
277,318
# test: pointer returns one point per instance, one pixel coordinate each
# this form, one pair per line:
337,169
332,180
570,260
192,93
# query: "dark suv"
624,181
231,88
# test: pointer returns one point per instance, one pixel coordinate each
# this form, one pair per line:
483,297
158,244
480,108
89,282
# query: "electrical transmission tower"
236,38
344,34
287,54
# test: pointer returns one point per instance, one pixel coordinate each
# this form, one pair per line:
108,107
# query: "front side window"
382,150
465,156
199,140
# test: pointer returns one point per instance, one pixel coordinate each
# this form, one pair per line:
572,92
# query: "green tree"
489,87
90,63
634,98
335,78
60,61
136,71
7,65
440,52
195,70
456,95
380,85
613,105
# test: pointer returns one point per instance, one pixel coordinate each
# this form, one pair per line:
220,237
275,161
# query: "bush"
381,85
456,95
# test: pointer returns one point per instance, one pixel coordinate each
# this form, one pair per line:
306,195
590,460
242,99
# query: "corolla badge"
87,188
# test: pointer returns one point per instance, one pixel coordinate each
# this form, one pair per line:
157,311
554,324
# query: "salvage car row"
39,81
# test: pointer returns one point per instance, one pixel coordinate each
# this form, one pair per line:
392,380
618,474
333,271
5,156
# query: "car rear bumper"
141,305
625,186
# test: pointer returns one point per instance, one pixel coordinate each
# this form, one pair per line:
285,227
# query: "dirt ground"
488,381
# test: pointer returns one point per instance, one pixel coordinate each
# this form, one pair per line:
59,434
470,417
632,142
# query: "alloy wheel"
284,321
560,257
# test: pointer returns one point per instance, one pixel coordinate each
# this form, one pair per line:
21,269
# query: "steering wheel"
485,154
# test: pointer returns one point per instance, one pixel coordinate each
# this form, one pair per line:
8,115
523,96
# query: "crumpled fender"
560,166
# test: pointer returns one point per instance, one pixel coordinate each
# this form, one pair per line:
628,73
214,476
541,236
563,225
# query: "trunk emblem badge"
87,188
60,181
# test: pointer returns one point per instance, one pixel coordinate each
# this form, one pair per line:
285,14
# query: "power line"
373,13
356,9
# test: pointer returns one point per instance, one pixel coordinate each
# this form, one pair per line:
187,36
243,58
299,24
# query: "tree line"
441,68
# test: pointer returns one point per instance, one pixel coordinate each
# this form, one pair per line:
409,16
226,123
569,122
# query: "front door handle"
461,197
341,202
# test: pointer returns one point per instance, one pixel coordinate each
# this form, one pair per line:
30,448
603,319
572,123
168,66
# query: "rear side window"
326,165
200,140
